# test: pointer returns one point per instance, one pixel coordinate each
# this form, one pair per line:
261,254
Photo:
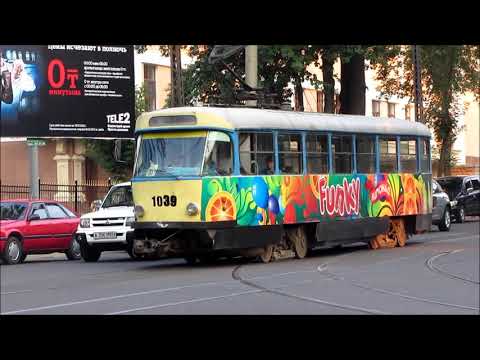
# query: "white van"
110,227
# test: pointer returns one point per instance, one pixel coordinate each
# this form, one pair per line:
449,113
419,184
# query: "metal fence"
76,196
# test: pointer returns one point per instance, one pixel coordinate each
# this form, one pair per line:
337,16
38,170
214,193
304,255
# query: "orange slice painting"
221,207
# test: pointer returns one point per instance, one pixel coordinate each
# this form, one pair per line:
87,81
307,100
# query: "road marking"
149,292
185,302
15,292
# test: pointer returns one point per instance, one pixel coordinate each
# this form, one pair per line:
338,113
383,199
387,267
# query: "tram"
215,181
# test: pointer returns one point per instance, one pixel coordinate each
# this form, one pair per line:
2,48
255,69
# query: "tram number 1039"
164,200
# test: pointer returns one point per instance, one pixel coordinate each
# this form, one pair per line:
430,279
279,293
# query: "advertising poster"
67,91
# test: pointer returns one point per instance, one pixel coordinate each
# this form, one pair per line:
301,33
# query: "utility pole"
251,69
418,84
34,190
176,84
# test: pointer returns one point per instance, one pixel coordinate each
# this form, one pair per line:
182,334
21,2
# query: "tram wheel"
395,236
267,254
397,232
298,237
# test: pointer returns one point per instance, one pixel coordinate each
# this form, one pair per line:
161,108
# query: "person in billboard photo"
21,82
6,93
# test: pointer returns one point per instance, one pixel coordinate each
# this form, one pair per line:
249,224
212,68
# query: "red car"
36,227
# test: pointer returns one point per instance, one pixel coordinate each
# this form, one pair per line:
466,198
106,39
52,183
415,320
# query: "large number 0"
166,200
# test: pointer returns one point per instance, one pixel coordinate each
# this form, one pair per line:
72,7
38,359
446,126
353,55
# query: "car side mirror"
34,217
96,205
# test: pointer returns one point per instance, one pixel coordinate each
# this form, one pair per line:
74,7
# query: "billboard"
67,91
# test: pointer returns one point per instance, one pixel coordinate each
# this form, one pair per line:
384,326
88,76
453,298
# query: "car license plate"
105,235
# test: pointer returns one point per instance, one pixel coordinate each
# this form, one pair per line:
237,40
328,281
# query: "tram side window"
317,154
256,154
388,154
408,155
290,153
365,154
342,154
218,155
425,155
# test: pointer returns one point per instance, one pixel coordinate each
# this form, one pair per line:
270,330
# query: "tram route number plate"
105,235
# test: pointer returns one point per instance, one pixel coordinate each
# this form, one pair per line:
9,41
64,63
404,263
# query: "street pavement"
435,273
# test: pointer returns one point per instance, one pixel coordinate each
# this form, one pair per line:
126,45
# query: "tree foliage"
447,73
101,151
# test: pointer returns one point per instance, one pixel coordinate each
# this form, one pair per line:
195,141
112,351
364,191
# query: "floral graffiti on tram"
277,199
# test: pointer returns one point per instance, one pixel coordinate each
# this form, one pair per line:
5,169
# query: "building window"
317,154
256,154
375,108
342,154
391,110
150,86
408,112
290,153
388,154
408,155
320,101
365,146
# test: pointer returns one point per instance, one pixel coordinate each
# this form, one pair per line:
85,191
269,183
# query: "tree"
447,73
101,151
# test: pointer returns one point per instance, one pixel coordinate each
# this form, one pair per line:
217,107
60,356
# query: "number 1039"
164,200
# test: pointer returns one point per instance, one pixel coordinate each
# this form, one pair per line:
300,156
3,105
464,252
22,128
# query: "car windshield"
119,196
173,154
12,210
451,185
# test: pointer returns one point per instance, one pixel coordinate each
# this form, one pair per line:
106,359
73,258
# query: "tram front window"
218,155
170,154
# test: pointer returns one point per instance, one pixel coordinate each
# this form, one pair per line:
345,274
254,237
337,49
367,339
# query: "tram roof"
261,119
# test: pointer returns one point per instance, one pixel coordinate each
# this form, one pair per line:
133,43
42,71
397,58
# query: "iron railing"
76,196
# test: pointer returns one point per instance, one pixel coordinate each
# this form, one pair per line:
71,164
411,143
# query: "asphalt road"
435,273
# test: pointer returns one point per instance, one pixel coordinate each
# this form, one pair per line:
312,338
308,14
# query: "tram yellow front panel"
167,200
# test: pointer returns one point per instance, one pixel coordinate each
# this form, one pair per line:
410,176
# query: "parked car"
441,212
110,227
464,193
36,227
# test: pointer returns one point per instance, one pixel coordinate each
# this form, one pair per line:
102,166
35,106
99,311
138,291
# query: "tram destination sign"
67,91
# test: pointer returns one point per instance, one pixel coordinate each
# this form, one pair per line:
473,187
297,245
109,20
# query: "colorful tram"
261,183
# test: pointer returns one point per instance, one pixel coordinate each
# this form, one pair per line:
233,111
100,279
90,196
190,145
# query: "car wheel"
73,253
24,256
446,221
460,218
89,253
13,252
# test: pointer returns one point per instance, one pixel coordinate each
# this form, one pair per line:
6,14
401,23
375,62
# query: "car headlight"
192,209
85,223
129,221
139,211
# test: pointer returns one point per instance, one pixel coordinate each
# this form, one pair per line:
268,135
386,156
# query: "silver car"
441,208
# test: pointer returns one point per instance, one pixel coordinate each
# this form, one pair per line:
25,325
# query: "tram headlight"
192,209
139,211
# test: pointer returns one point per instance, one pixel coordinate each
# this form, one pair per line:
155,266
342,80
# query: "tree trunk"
328,84
352,96
444,163
298,95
